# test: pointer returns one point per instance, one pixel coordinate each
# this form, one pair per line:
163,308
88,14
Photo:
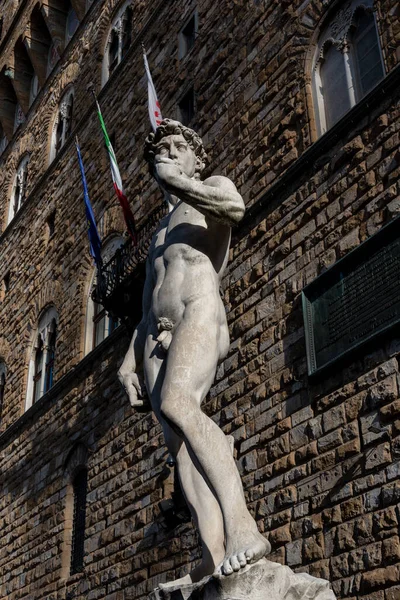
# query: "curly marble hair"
171,127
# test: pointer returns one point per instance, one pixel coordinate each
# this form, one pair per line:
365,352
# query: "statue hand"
167,171
135,388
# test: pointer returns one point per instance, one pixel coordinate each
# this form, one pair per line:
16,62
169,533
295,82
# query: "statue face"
177,149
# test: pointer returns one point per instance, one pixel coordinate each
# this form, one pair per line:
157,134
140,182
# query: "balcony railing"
120,281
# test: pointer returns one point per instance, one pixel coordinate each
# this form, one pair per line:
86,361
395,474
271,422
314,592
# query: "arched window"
41,367
3,372
63,124
18,194
8,103
347,64
39,43
99,323
71,24
25,80
118,41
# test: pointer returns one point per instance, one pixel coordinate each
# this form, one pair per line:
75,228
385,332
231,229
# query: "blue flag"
94,238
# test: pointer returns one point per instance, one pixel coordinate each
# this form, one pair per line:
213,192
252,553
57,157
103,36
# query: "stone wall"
322,485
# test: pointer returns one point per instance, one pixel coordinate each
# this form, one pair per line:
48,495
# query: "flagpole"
116,175
93,234
153,103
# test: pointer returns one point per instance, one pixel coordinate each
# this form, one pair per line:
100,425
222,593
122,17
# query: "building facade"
298,103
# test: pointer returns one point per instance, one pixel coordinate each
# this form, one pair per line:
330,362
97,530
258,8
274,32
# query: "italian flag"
117,181
154,105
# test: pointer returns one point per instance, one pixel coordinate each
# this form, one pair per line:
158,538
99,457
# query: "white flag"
154,105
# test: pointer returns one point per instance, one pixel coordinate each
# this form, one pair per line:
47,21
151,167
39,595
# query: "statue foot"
243,550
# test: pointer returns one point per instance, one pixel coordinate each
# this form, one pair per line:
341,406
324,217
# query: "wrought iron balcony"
120,281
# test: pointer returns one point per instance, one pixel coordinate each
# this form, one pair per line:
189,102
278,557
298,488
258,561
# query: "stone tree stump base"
265,580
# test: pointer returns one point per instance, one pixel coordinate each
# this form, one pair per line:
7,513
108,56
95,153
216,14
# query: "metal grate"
78,531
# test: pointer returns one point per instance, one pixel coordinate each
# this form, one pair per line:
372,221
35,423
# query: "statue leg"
202,503
189,374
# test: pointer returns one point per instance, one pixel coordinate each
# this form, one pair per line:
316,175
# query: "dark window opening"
2,388
51,225
78,528
17,197
49,367
187,37
113,52
127,32
68,118
37,376
59,134
367,54
6,282
186,107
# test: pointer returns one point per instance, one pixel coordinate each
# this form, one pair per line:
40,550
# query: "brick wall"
321,484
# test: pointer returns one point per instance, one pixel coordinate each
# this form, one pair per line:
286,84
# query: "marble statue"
181,339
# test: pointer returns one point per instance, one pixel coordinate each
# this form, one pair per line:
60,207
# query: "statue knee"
170,413
177,414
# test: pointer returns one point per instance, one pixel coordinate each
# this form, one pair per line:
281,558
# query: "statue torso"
188,256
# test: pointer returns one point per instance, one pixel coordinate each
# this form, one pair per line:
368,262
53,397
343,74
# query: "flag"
93,234
117,181
154,105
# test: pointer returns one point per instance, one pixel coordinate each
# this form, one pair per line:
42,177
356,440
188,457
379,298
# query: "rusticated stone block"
393,593
378,578
391,550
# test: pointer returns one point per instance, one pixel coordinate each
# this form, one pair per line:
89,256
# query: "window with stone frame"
347,64
10,112
118,41
3,372
18,194
186,107
99,323
39,42
79,518
76,478
25,80
187,35
72,24
41,366
63,124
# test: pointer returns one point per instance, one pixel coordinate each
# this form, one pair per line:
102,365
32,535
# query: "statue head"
169,127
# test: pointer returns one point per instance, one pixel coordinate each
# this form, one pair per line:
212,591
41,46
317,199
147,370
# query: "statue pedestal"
264,580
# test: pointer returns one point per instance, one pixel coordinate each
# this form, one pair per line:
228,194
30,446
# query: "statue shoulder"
220,181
